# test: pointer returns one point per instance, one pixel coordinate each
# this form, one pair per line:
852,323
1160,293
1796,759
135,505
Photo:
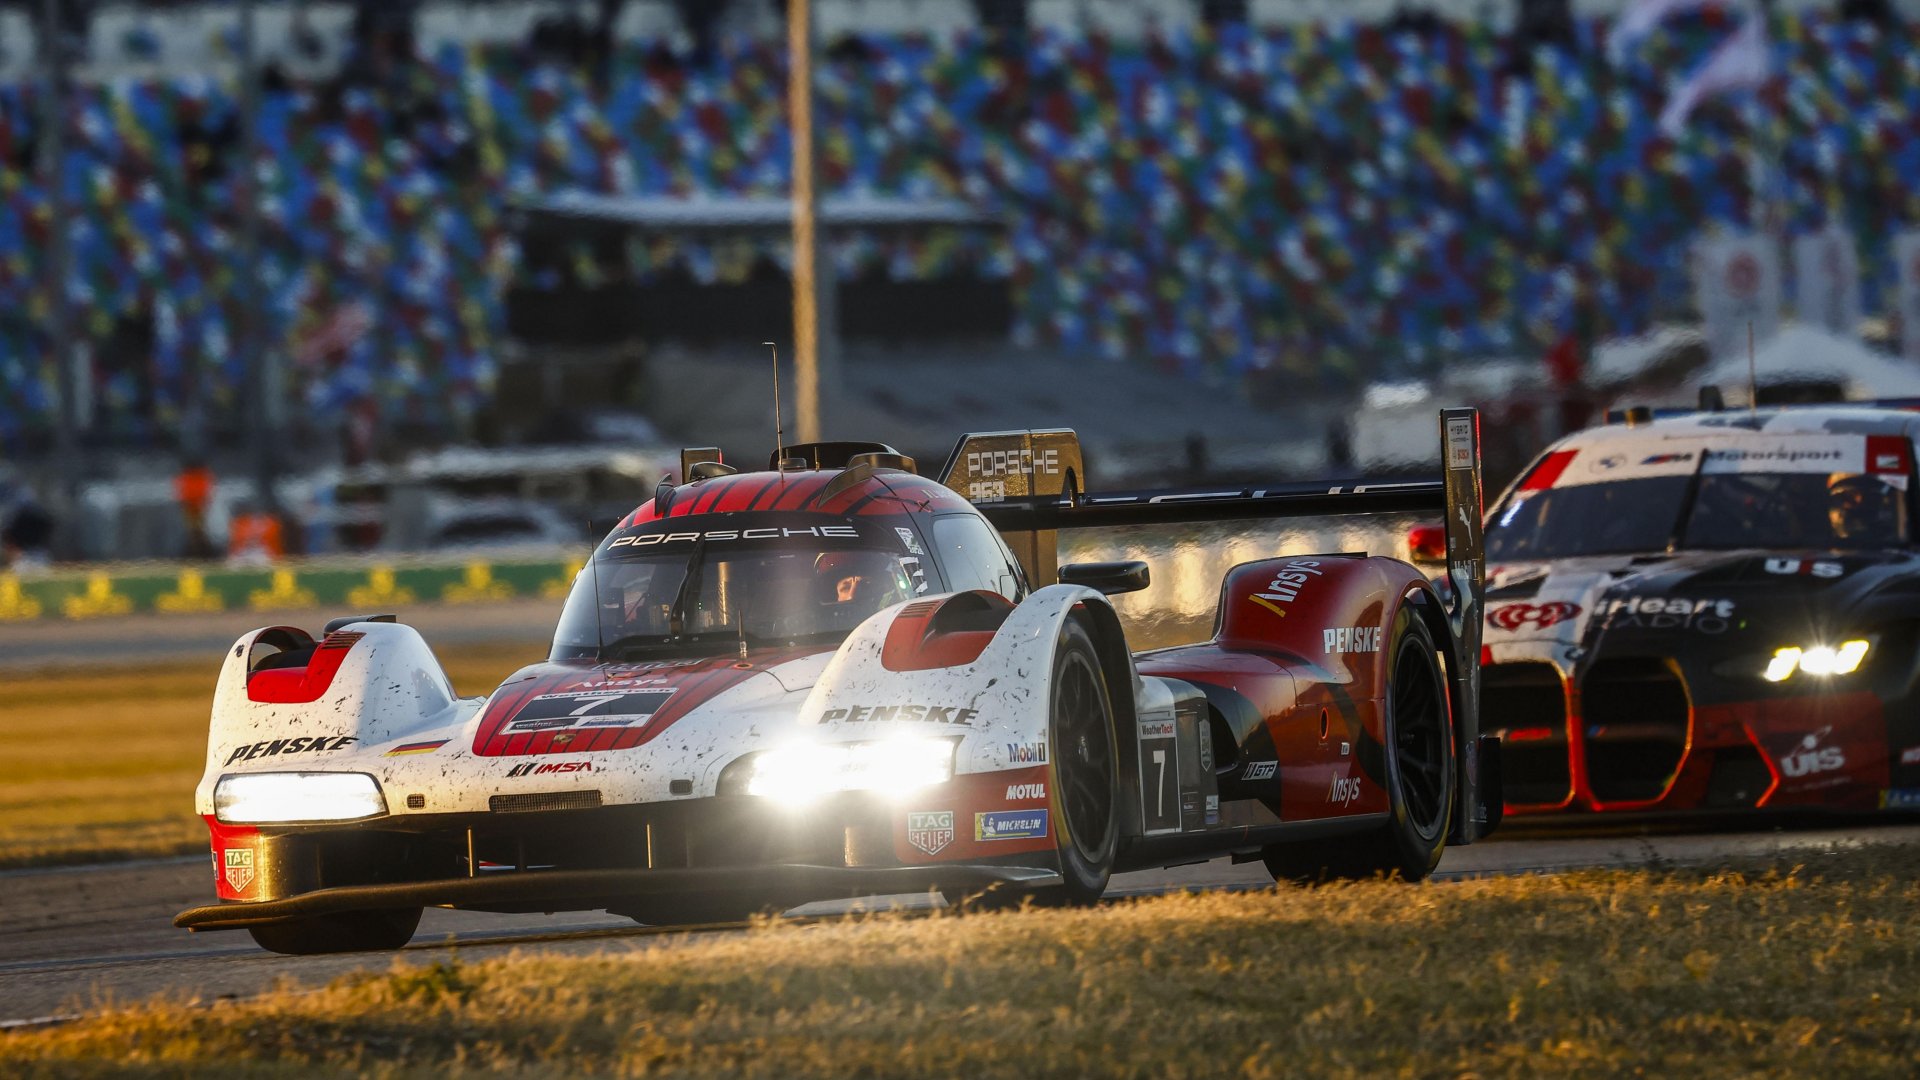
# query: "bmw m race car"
835,678
1712,611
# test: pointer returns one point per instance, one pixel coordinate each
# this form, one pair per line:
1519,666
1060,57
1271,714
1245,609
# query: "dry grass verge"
101,765
1770,969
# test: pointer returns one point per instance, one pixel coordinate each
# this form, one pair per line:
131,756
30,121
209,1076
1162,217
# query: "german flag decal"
417,747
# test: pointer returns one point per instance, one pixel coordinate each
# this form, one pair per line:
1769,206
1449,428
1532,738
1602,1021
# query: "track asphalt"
83,938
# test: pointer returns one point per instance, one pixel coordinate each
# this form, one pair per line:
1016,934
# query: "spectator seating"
1322,202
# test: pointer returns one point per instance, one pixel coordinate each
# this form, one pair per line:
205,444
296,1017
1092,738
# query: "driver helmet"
838,576
1860,506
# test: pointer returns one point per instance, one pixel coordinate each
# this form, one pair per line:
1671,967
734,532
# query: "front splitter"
582,890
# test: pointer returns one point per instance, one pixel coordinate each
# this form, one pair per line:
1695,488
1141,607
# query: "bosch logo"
1515,616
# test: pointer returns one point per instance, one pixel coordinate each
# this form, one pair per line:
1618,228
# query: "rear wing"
1031,484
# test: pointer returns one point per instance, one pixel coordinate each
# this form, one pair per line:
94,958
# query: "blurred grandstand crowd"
1321,202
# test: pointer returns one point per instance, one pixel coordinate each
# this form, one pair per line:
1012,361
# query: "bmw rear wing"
1031,484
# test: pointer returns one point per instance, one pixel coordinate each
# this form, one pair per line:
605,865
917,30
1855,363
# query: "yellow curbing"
189,595
379,591
99,600
478,587
284,592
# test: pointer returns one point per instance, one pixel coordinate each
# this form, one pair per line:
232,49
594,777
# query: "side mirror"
1427,544
1106,577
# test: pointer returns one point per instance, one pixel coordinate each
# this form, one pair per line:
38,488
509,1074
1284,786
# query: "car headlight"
277,798
1818,660
802,772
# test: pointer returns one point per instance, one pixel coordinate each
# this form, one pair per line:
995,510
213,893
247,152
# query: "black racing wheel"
1083,781
346,931
1418,762
1086,788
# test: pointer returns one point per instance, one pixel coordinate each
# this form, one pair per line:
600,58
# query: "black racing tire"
347,931
1082,768
1418,760
1083,785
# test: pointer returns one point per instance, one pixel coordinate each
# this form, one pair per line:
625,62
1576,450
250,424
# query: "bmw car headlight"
803,772
1817,660
280,798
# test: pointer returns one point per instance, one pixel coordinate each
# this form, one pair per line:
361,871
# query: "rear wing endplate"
1031,484
1003,471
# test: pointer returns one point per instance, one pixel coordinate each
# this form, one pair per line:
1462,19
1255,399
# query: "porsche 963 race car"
835,678
1711,611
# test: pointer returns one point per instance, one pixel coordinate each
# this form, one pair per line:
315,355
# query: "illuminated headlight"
264,798
803,772
1820,660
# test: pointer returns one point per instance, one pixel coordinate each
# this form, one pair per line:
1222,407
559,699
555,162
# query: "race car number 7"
1160,784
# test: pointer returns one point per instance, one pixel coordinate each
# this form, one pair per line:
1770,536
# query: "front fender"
996,701
367,684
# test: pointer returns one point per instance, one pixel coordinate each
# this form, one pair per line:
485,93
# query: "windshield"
1591,519
1726,510
772,592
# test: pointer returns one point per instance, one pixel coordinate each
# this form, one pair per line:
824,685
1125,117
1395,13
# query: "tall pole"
257,355
806,251
54,54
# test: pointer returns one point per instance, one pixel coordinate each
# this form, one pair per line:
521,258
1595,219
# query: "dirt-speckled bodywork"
614,771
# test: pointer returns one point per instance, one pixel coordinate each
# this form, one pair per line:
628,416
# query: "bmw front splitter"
785,884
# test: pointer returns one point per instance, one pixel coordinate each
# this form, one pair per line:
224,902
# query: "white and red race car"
836,677
1711,613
